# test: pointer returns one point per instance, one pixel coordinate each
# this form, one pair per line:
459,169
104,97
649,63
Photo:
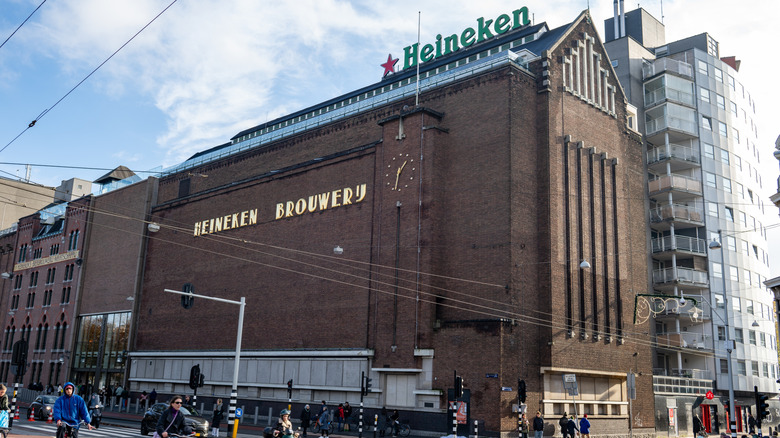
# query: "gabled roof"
117,174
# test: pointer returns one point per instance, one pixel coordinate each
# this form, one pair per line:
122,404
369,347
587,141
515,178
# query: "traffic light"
187,301
200,381
763,407
458,386
366,385
289,388
521,391
194,376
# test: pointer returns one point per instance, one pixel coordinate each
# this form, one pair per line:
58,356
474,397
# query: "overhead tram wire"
22,24
9,163
46,111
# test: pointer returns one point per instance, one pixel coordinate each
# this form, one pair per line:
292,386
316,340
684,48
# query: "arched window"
38,337
56,336
45,335
62,335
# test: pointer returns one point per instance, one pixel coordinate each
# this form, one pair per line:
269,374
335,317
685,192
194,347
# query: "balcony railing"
676,151
667,64
653,97
680,243
658,124
694,341
676,182
683,275
676,212
667,383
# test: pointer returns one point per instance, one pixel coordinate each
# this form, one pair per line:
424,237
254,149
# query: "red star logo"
389,65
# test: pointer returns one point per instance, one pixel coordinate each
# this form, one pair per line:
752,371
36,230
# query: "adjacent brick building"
495,228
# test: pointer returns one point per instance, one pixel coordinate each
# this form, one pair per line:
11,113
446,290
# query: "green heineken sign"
485,30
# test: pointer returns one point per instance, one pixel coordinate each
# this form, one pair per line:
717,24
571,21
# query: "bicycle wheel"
404,430
330,428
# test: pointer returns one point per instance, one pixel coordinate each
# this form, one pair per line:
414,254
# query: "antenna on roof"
417,92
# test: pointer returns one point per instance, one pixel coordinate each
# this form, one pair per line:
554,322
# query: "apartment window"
65,299
703,67
755,251
721,101
709,151
740,187
726,185
735,134
734,276
709,179
765,369
738,336
731,243
704,94
729,213
718,74
732,83
752,337
754,368
743,218
706,123
743,246
747,275
720,302
34,279
724,366
712,209
733,108
721,333
762,339
717,272
723,129
724,156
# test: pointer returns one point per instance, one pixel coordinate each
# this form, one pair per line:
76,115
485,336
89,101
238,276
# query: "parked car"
42,406
193,419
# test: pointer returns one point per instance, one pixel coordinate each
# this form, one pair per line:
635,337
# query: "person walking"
70,410
538,425
347,415
564,423
152,397
524,426
216,418
340,417
571,427
382,421
305,419
584,426
324,421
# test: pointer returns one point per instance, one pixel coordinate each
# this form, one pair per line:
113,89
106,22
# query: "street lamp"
715,244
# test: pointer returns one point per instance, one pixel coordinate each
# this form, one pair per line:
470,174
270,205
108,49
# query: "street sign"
239,412
570,378
710,395
570,384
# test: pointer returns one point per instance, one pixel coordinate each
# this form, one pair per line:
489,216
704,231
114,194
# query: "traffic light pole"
234,390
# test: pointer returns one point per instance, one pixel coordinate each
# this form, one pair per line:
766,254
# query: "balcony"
679,244
685,128
678,157
682,381
660,95
694,341
666,279
699,314
667,65
683,216
682,186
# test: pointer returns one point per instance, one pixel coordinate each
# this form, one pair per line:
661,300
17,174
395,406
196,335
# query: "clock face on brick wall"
400,172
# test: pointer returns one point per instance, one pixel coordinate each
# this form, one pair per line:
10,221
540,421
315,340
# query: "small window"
709,179
723,129
709,151
703,67
704,94
706,123
721,101
738,336
726,185
724,156
718,74
712,209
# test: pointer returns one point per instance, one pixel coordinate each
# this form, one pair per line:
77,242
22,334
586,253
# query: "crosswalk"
49,429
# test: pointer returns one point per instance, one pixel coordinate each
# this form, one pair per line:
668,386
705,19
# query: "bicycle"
403,429
65,430
315,426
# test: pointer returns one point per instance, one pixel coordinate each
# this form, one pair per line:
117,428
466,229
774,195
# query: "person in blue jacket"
584,426
70,409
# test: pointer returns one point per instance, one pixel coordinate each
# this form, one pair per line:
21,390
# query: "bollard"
376,419
455,420
137,405
16,416
270,415
51,413
32,414
476,429
257,413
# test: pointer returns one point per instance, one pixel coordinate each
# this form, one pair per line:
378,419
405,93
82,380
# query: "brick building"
411,240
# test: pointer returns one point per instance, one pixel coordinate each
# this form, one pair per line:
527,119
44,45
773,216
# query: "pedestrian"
584,426
564,423
152,397
323,407
324,421
697,426
216,418
187,401
523,426
751,424
571,427
382,421
305,419
4,410
394,418
538,425
340,417
347,414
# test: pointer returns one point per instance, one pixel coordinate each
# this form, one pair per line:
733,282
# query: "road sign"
239,412
570,378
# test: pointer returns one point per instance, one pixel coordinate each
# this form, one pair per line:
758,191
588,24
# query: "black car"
192,418
42,406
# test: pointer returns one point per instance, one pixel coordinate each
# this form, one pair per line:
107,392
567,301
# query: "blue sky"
207,69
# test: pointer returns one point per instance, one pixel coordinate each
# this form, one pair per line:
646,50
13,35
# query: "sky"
204,70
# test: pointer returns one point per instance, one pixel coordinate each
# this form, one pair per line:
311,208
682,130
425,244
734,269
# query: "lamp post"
729,343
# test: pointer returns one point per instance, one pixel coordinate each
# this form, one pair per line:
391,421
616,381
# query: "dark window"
184,187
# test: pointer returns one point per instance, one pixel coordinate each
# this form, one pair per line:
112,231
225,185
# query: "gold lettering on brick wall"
321,201
227,222
70,255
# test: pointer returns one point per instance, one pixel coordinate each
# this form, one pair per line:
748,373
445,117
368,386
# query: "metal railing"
667,64
675,182
653,97
680,243
683,275
653,126
694,341
676,212
676,151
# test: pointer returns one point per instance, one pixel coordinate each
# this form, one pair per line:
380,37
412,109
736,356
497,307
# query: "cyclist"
70,410
173,420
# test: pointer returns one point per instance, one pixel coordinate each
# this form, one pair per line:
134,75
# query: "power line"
22,24
46,111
